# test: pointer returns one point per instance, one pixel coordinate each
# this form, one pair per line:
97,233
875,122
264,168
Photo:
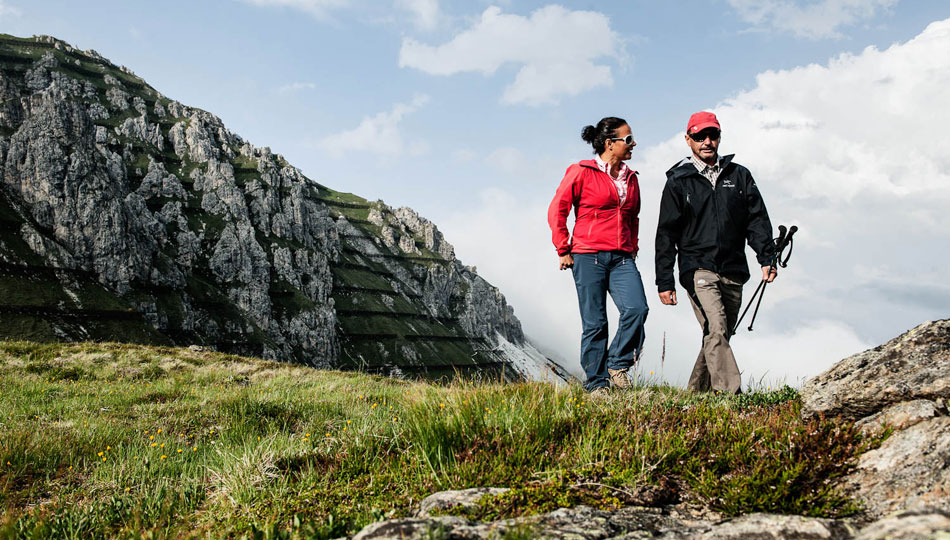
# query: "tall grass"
129,441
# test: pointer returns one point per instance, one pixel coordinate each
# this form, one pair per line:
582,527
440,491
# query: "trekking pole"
784,240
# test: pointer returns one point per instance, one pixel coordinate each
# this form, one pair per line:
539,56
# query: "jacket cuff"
665,285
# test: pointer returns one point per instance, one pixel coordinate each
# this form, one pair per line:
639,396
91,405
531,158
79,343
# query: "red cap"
701,121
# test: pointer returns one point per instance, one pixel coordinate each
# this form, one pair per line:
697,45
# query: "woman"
601,251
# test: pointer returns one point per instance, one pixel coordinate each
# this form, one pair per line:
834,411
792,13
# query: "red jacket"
601,224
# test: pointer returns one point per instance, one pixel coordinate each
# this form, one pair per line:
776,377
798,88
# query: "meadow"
131,441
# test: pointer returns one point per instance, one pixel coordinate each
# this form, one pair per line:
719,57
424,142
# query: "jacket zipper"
718,226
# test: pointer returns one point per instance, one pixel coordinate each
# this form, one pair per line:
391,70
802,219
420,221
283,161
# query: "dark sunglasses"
713,135
628,140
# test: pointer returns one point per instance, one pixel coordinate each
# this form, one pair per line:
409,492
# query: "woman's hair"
605,129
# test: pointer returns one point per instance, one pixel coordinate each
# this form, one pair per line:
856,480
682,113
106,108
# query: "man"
710,207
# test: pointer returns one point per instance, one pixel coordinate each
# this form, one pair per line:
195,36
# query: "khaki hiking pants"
716,301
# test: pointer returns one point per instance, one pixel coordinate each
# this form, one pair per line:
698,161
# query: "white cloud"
319,9
853,152
379,132
426,13
814,19
296,87
555,47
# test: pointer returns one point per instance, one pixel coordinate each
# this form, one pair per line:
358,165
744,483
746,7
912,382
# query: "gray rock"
138,128
446,500
38,76
911,469
118,99
630,523
899,416
915,365
766,527
581,522
925,524
443,527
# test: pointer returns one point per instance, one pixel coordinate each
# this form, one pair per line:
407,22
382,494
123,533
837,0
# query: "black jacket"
709,227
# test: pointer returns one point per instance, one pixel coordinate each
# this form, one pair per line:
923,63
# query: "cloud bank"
852,151
556,50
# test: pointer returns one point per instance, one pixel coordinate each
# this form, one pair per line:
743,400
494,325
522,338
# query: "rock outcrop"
129,216
666,523
913,366
903,385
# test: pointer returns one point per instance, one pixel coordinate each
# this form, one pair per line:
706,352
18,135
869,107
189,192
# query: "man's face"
705,144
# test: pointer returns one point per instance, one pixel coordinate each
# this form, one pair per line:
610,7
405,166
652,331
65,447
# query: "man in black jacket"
709,209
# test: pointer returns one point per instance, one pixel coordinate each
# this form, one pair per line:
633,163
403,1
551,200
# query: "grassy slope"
120,439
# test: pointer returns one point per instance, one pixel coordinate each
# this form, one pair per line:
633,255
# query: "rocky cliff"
128,216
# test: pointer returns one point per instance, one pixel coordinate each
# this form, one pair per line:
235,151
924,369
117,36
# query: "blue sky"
469,112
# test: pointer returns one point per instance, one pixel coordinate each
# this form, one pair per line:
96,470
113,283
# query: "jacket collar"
592,164
686,167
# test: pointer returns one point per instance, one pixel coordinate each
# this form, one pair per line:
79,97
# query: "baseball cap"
701,121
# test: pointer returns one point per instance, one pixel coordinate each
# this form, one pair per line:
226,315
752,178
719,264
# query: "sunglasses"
713,135
628,140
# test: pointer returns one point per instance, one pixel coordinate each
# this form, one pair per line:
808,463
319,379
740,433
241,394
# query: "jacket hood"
685,166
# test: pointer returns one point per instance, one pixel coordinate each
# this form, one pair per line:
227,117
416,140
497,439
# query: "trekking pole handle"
783,238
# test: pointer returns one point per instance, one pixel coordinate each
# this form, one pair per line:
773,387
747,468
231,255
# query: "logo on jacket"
728,183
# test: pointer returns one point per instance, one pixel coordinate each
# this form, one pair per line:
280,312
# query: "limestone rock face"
174,221
915,365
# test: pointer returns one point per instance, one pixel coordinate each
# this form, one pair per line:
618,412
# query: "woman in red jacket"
601,251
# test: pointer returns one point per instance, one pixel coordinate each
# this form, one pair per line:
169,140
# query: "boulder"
630,523
909,525
446,500
915,365
581,522
766,527
911,469
900,415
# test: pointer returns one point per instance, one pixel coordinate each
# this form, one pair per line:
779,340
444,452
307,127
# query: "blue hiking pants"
596,274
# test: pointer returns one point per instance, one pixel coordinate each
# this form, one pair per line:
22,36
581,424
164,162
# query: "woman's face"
617,149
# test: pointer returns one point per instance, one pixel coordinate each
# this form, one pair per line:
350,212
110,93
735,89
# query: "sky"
470,112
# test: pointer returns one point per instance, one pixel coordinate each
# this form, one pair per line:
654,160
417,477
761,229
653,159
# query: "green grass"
127,441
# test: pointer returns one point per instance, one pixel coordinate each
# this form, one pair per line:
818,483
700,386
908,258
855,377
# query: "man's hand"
668,298
566,261
769,273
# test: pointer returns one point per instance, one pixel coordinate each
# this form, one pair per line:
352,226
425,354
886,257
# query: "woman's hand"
566,261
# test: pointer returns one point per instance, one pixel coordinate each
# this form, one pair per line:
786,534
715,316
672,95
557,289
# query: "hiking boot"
619,379
599,393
